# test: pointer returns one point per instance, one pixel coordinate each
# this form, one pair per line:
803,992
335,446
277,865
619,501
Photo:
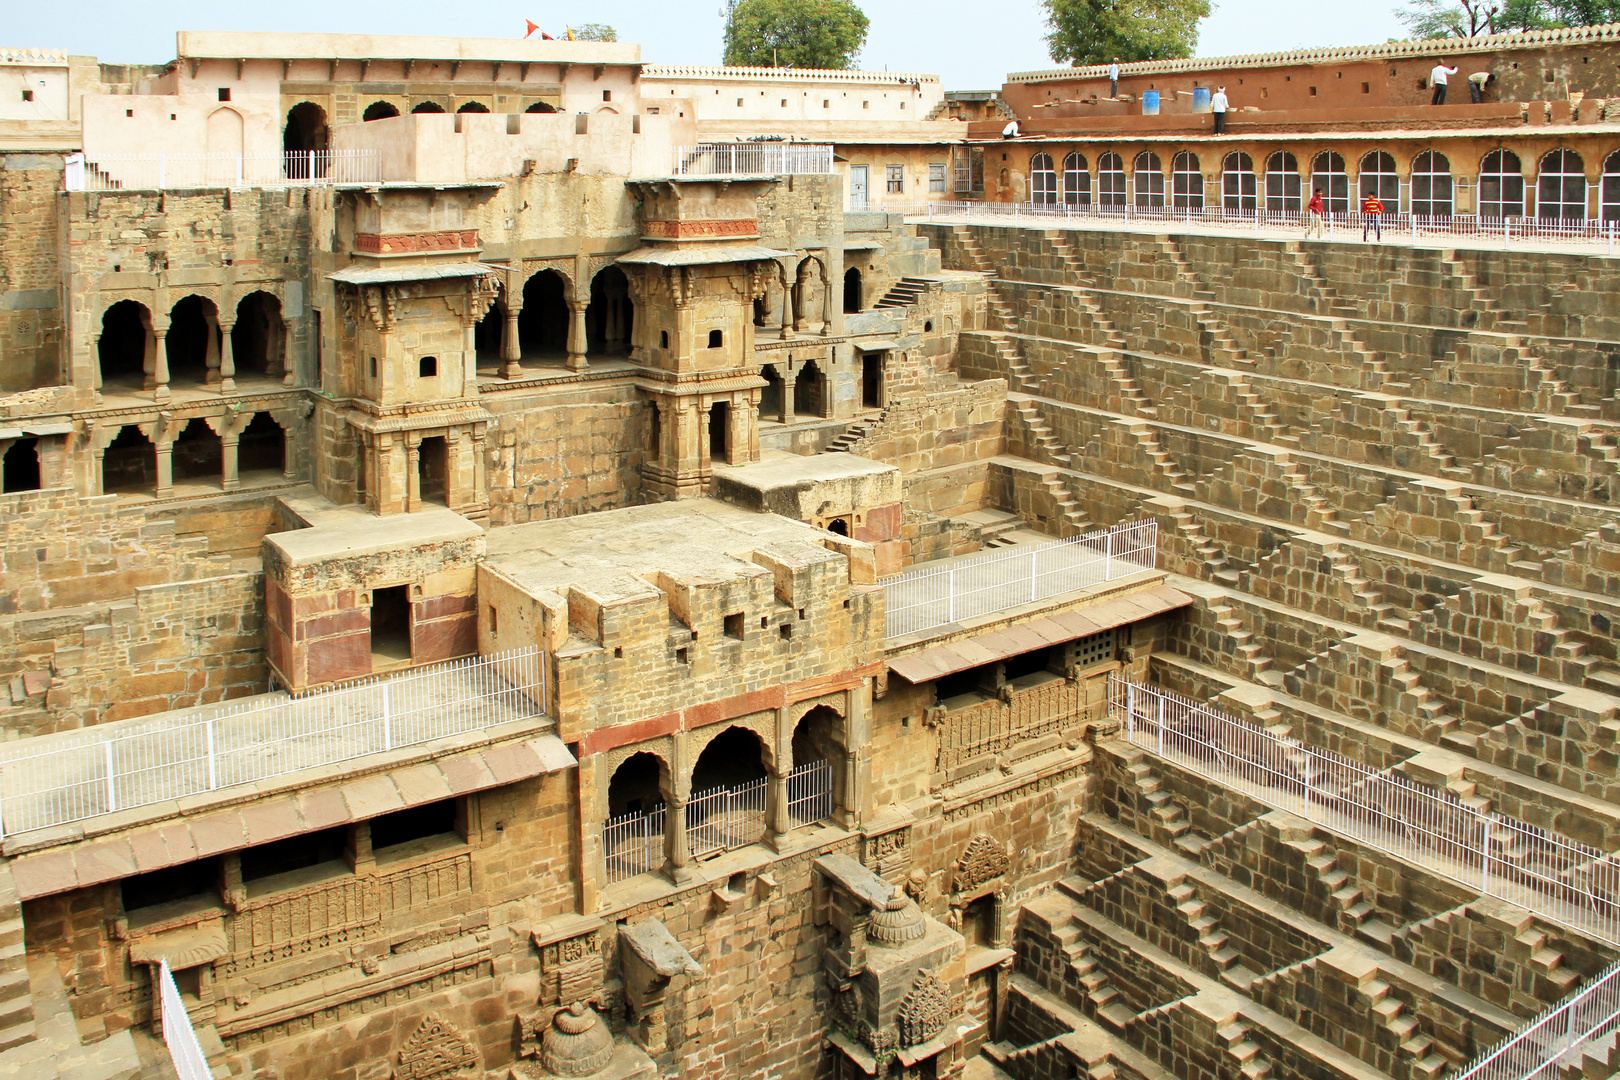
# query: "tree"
1438,19
595,31
794,33
1095,31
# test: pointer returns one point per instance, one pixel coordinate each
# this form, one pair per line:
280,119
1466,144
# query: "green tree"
595,31
1095,31
794,33
1471,18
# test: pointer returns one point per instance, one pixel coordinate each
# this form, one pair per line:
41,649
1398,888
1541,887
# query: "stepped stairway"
902,293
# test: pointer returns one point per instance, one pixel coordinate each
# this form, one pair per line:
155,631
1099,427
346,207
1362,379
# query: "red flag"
531,28
546,37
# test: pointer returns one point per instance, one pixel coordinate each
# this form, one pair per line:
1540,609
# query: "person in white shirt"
1011,130
1113,78
1437,79
1218,106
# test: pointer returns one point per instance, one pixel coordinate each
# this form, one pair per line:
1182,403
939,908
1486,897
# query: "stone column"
289,328
787,306
677,858
379,489
576,336
827,307
227,358
788,380
480,481
413,473
149,361
777,822
211,355
165,467
230,476
738,446
511,346
160,362
703,457
795,300
95,367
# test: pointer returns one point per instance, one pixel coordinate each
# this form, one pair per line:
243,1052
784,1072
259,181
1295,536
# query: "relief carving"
923,1012
982,861
436,1051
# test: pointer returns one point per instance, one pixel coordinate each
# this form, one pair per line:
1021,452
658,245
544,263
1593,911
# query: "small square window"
28,95
427,367
373,367
224,93
784,103
786,630
716,339
494,620
896,179
680,656
734,625
826,104
607,95
129,112
866,104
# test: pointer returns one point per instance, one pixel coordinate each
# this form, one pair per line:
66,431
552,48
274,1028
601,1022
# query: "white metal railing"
810,793
717,819
753,159
1473,230
1552,876
1585,1022
158,172
55,779
633,843
925,597
178,1034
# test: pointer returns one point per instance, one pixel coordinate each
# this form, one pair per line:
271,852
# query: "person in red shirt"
1371,209
1313,220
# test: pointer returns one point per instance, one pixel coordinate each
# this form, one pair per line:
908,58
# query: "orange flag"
531,27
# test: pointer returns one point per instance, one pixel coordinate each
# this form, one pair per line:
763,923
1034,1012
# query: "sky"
970,45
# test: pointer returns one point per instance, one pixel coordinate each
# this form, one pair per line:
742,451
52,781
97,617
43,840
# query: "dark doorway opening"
473,107
719,424
541,107
543,322
129,464
198,454
122,347
979,922
390,625
426,822
839,526
19,471
379,110
735,757
490,333
770,396
852,290
262,447
433,470
872,381
611,315
192,336
635,787
427,107
258,336
304,140
808,398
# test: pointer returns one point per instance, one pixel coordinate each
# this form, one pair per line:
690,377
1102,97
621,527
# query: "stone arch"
817,742
129,463
543,321
770,396
472,107
610,317
224,133
258,338
192,343
852,290
427,107
262,446
720,753
541,107
304,141
807,299
197,454
19,466
380,110
124,349
810,390
637,784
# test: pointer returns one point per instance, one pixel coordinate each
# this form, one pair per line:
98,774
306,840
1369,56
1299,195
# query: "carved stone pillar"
826,307
576,336
95,367
413,473
227,358
777,822
480,480
289,330
165,469
230,476
788,415
149,361
677,856
160,363
511,346
211,354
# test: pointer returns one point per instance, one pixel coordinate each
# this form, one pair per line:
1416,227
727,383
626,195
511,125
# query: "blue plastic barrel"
1200,99
1150,103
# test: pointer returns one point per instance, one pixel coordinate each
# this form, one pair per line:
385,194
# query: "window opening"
433,469
1501,185
1282,183
390,625
1076,181
1187,183
431,820
1043,180
1238,187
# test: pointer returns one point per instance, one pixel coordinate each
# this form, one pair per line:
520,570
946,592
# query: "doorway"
390,626
433,470
872,380
857,187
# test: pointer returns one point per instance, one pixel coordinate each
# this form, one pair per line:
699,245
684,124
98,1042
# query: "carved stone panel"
982,861
437,1051
923,1012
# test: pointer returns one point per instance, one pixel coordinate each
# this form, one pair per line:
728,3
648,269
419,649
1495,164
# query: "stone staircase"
1169,817
854,433
1227,962
1040,435
1415,1047
902,293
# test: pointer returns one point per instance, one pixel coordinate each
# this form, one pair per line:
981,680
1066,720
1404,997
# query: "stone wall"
31,331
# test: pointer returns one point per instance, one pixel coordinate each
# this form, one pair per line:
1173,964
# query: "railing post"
1108,556
1034,574
1485,854
1158,709
388,723
950,595
112,793
213,772
1130,712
